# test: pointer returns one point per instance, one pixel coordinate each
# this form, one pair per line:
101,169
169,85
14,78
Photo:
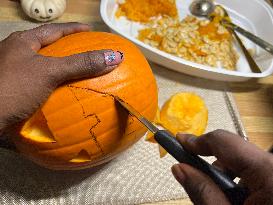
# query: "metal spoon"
203,8
252,64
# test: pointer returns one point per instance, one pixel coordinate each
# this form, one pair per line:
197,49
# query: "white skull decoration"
44,10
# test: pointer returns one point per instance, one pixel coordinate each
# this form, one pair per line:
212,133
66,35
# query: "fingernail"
191,139
186,137
178,173
113,57
182,133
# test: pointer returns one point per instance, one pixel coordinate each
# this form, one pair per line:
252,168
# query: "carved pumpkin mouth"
47,17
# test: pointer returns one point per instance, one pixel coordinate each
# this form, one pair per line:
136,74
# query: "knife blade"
136,114
235,193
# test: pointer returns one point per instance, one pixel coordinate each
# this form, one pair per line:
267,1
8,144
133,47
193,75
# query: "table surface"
254,98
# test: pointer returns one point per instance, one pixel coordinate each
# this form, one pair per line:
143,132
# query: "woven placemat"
136,176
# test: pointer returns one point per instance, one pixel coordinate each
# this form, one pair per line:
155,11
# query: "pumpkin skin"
81,125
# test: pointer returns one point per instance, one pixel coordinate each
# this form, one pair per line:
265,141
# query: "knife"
235,193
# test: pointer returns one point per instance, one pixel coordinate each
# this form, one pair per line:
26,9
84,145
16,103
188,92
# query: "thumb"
200,188
88,64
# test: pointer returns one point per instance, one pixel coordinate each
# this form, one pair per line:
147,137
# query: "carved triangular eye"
36,129
83,156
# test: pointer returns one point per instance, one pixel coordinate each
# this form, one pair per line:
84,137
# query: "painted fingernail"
113,57
178,173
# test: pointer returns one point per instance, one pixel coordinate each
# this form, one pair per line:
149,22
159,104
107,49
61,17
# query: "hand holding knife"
235,193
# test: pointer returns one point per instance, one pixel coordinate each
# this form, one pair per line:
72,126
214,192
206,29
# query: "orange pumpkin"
80,125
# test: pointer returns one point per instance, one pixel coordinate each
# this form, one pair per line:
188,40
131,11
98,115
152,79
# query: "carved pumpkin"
44,10
81,125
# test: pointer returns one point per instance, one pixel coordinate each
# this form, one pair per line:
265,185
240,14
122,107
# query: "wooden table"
254,98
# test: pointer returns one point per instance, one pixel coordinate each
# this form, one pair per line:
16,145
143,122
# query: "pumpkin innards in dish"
197,40
145,10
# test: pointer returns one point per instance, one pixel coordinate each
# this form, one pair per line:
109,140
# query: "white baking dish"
253,15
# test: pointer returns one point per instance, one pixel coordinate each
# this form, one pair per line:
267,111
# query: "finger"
88,64
217,164
243,158
262,196
199,187
49,33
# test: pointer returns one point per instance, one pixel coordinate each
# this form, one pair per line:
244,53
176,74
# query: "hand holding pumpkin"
27,78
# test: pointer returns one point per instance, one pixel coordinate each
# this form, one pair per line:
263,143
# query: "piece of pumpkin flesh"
183,112
150,136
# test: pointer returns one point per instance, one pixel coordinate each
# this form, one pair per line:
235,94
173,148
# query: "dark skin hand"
245,160
27,78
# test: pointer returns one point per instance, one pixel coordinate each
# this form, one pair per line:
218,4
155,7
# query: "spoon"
206,8
203,8
252,64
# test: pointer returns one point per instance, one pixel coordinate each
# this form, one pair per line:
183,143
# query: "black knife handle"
236,194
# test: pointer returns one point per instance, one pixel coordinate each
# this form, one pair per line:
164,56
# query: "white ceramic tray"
253,15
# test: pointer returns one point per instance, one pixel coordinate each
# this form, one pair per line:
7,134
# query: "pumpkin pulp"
183,112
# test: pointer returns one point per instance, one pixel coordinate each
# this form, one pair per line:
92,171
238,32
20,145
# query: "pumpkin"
183,112
81,125
44,10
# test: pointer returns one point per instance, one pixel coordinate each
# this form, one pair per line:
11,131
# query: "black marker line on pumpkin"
93,136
